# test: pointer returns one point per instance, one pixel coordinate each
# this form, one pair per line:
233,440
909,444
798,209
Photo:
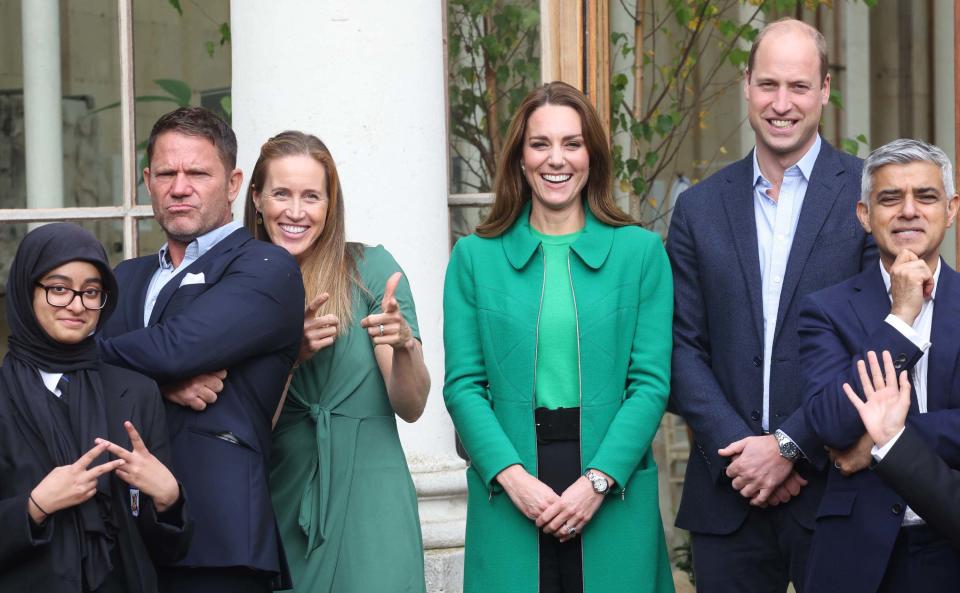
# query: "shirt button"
755,415
777,279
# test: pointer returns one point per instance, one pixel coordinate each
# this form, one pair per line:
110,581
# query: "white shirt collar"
805,164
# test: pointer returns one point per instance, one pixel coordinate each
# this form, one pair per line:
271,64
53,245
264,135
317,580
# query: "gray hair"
904,151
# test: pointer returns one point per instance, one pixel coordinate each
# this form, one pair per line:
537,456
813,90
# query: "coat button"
900,361
896,508
755,415
757,361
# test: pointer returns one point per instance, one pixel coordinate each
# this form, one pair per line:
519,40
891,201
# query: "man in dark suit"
746,244
867,538
213,299
903,460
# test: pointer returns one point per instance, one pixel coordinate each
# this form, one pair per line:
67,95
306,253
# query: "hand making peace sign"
143,471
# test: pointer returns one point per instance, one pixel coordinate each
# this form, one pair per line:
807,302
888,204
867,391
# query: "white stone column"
42,116
856,74
944,70
368,78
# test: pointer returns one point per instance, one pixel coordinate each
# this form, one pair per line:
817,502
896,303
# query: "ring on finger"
381,329
836,464
571,531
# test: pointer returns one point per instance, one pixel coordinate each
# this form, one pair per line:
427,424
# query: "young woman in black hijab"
86,504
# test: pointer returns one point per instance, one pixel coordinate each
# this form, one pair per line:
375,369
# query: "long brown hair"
510,187
330,263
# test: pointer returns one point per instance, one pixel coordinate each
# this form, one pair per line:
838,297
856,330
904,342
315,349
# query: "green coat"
623,294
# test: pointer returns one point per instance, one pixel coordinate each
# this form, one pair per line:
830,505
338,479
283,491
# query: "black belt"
562,424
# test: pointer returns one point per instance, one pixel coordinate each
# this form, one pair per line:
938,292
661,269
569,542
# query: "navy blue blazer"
859,517
247,317
717,376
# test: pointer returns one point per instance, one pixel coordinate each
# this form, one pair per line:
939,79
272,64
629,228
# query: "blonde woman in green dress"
344,499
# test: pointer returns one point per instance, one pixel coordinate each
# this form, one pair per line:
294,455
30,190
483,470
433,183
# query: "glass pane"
89,73
180,59
110,233
493,58
464,219
150,236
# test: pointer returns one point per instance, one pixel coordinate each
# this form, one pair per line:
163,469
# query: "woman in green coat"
557,318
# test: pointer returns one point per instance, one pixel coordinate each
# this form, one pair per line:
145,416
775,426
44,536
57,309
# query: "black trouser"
175,579
558,466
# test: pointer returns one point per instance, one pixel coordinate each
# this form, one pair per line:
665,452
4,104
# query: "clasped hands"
554,514
760,473
71,485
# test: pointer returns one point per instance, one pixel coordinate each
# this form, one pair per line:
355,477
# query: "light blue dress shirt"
776,224
166,271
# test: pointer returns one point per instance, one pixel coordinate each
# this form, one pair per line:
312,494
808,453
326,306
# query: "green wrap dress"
342,492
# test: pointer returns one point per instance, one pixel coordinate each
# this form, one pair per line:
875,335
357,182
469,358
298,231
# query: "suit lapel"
826,182
201,264
945,339
870,302
738,203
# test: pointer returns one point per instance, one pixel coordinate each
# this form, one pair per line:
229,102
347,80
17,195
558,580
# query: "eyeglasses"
307,199
92,299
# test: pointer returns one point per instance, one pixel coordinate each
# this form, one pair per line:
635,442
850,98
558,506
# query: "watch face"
789,450
600,484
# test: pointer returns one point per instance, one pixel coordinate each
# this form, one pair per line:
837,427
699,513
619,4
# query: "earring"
522,168
259,217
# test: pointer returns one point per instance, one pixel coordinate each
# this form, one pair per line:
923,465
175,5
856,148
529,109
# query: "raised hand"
389,327
69,485
911,281
196,392
318,332
143,471
885,411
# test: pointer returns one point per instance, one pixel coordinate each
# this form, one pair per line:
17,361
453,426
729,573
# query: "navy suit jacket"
717,376
859,517
246,317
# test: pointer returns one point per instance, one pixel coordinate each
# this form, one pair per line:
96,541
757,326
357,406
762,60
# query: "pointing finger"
315,304
389,304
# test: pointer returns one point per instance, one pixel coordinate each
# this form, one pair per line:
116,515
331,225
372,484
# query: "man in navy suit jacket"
745,245
867,538
213,299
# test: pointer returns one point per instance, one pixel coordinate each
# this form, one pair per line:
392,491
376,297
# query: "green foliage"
687,45
492,64
176,6
852,145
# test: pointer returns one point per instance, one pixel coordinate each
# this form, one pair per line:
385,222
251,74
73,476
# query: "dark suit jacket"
246,317
859,517
717,376
26,561
929,485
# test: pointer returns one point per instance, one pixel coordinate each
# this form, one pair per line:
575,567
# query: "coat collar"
592,247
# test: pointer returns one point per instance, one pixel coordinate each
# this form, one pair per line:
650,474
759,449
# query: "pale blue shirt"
776,224
166,271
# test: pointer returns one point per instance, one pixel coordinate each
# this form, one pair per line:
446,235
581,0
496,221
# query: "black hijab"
84,535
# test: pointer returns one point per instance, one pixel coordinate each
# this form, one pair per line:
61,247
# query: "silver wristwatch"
600,484
788,449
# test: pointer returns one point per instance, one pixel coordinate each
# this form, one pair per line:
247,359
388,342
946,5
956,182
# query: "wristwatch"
788,449
599,483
